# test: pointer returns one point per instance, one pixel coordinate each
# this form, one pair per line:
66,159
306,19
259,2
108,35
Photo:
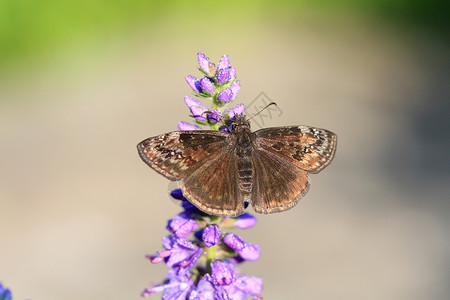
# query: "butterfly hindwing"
213,187
309,148
277,184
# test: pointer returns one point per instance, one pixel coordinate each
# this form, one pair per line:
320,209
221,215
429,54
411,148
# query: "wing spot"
278,146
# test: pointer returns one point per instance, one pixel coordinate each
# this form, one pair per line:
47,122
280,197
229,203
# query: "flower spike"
199,251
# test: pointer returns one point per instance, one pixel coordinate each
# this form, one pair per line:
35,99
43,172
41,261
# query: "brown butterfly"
221,172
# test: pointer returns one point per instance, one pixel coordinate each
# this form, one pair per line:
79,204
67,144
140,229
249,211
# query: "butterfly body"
220,171
243,149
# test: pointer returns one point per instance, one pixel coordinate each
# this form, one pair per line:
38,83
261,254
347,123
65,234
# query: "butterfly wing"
311,149
213,187
176,154
277,184
282,158
204,161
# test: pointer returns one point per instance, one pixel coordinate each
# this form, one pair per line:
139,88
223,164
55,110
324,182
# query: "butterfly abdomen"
244,150
245,173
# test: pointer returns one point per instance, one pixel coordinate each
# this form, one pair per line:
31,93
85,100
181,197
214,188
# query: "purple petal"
204,290
168,241
225,96
215,116
222,272
206,85
203,61
197,109
181,225
232,73
177,288
234,241
194,83
245,221
235,87
186,126
178,292
205,65
178,194
235,260
252,285
189,262
250,252
224,62
182,251
223,75
237,110
5,293
211,235
189,208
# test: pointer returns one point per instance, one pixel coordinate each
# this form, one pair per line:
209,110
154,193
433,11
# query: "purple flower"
245,221
203,61
223,75
196,237
234,241
247,251
5,294
197,109
182,225
211,235
235,87
180,254
206,85
229,286
247,285
222,272
178,287
205,65
194,83
189,208
237,110
215,116
225,95
224,62
186,126
177,194
205,289
183,254
232,73
250,252
159,257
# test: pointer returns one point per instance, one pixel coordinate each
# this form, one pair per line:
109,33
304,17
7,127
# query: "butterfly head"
240,123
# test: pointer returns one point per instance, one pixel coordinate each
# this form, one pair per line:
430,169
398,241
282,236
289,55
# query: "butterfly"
222,172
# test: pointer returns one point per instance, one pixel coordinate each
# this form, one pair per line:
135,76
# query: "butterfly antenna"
270,104
210,112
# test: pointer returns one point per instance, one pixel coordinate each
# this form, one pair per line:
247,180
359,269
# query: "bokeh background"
82,82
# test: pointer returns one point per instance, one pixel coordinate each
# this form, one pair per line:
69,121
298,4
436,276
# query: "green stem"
210,256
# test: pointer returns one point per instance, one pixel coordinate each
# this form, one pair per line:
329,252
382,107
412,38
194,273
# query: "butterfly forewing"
176,154
311,149
277,185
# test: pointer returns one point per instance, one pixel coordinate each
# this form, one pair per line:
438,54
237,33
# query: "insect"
222,172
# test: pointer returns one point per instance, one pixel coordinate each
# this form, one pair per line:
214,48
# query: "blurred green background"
82,82
32,30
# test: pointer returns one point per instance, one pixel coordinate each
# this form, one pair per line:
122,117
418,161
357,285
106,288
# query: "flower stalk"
200,251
